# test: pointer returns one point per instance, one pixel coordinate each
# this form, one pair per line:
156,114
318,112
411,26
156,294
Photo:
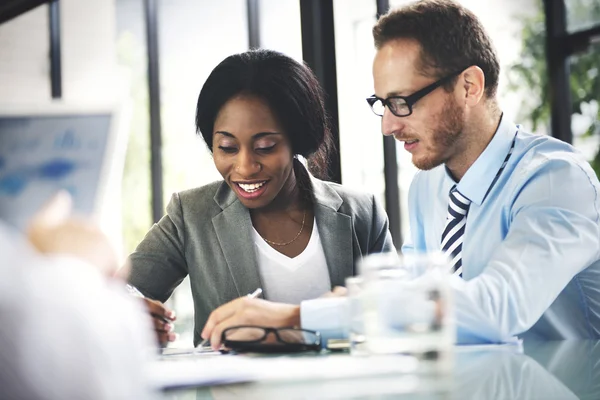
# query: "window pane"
585,89
131,52
361,142
582,14
280,27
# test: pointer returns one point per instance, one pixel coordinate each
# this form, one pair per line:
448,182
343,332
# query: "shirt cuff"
325,315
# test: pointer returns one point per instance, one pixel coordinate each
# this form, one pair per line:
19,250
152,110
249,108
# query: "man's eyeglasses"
261,339
401,106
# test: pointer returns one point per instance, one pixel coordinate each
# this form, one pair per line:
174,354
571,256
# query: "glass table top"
535,370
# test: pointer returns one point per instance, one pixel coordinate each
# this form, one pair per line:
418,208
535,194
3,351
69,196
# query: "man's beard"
444,136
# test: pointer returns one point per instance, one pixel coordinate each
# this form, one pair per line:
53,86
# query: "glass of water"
406,304
354,316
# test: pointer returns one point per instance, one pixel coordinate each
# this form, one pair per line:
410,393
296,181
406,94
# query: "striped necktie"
456,221
452,237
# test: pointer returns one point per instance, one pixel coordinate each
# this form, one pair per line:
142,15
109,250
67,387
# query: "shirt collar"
479,177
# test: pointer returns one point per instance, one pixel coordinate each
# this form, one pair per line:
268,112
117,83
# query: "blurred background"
147,60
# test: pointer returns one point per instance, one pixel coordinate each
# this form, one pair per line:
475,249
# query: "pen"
135,292
252,295
255,294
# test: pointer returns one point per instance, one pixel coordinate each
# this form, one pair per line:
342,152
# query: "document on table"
172,373
181,372
193,351
333,366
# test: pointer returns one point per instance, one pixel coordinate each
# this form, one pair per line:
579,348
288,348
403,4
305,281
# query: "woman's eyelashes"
233,149
228,149
265,149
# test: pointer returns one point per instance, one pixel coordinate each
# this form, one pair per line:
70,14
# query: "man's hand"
248,311
53,231
162,319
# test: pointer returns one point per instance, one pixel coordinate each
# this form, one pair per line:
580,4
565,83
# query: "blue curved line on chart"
56,169
14,182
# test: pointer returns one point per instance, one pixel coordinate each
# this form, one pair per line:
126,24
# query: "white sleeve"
65,331
327,316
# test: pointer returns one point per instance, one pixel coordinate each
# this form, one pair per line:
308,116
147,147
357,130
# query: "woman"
268,223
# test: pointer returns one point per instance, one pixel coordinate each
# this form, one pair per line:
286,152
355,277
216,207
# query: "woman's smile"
251,191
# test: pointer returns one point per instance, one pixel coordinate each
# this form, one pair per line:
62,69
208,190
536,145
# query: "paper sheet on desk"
205,371
332,367
193,351
171,373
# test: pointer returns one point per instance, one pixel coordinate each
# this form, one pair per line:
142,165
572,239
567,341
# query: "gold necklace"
294,239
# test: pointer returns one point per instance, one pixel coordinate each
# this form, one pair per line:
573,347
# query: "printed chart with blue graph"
40,155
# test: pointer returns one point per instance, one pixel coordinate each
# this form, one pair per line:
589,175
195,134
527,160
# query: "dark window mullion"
55,53
253,7
558,69
318,51
151,15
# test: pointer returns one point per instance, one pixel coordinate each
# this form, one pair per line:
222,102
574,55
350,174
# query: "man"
518,214
68,328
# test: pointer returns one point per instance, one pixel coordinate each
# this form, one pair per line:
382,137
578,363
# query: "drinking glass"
407,305
354,315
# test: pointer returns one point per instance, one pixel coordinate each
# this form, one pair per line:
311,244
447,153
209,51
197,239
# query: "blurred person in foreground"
517,214
68,328
269,222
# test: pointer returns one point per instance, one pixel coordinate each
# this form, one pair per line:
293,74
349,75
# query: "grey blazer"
207,234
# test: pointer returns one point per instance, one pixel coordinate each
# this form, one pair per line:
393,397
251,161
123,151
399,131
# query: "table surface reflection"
542,370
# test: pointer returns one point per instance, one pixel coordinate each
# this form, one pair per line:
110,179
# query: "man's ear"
473,81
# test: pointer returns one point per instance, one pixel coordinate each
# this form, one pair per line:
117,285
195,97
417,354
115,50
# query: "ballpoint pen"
135,292
252,295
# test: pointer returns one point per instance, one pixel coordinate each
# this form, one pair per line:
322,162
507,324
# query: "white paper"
203,371
170,373
197,351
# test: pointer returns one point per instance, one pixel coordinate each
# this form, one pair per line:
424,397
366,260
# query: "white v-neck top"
292,280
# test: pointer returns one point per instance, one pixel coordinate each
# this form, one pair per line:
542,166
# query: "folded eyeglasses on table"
249,338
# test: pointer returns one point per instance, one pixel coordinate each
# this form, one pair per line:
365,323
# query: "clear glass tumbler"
354,315
407,305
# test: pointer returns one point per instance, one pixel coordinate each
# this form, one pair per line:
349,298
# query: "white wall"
88,54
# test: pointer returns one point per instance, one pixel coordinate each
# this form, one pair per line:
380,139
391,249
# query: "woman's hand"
162,319
338,291
249,311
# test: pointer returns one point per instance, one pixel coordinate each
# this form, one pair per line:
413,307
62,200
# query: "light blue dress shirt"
531,250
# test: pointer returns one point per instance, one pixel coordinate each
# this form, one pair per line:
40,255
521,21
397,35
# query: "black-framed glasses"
401,106
248,338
